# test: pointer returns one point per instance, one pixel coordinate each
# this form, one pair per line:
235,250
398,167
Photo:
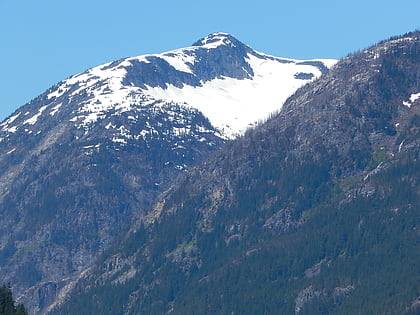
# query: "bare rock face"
304,297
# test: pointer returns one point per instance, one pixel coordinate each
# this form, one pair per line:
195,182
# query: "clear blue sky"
45,41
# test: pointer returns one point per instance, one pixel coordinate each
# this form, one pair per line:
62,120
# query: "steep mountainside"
315,211
83,160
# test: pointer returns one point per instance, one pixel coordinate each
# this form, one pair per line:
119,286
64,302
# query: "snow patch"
329,63
10,120
91,146
412,99
234,105
215,40
180,131
104,85
55,109
34,119
12,129
119,140
61,90
179,60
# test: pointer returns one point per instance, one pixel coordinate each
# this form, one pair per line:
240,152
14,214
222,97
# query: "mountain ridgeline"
315,211
87,158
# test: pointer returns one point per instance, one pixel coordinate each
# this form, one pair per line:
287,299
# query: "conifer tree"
7,305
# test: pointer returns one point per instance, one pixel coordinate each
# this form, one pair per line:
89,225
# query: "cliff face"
314,211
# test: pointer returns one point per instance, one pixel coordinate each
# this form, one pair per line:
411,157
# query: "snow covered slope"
231,84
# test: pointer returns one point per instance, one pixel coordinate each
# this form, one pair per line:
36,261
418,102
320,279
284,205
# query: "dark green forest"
7,304
366,262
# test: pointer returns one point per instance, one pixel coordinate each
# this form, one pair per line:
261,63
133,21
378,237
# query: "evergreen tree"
7,305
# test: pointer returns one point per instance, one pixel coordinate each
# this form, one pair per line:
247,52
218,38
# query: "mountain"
315,211
85,159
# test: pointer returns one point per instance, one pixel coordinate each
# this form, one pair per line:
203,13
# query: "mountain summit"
83,160
217,39
219,76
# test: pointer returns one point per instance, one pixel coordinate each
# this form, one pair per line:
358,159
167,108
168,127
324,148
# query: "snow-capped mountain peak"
233,85
215,40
